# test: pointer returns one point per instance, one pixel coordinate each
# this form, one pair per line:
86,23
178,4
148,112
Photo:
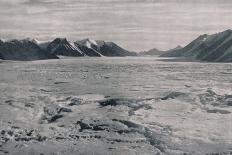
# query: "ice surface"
115,106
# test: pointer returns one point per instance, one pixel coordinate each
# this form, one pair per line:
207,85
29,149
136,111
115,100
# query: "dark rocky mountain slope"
23,50
113,50
89,47
60,46
211,48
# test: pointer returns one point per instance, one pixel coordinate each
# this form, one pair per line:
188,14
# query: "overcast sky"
133,24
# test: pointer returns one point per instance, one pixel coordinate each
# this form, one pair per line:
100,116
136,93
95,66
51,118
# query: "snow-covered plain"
128,106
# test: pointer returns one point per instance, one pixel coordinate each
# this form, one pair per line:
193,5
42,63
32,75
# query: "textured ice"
115,106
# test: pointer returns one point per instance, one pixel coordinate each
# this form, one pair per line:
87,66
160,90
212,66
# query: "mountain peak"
154,49
32,40
178,47
202,38
151,52
60,40
229,31
88,42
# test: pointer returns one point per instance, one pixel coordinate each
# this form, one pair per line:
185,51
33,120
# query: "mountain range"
23,50
31,49
210,48
157,52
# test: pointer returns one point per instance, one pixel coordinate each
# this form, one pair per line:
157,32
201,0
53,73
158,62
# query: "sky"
136,25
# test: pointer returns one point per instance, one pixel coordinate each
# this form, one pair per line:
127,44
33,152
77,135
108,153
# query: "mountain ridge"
23,50
32,49
87,47
61,46
157,52
210,48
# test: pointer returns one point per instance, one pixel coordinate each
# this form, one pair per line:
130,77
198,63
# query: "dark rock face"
23,50
60,46
52,113
172,95
89,48
211,48
113,50
1,57
130,103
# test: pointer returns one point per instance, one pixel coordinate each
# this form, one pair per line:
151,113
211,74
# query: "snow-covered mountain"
89,47
213,48
86,47
113,50
23,50
61,46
